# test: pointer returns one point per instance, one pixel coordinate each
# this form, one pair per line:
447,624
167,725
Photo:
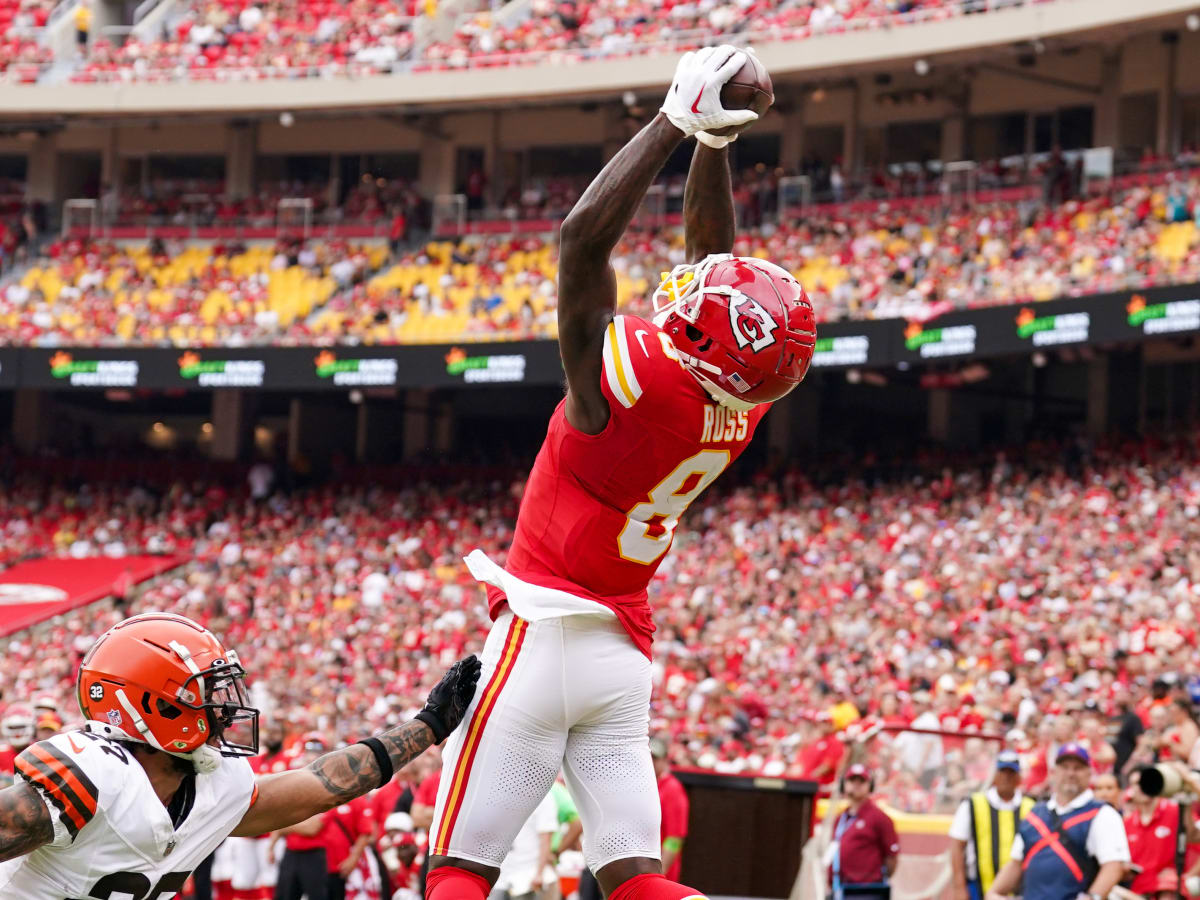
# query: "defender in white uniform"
112,834
126,808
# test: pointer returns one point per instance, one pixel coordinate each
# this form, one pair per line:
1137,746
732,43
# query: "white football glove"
693,103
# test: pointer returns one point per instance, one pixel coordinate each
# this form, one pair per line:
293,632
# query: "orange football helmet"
165,681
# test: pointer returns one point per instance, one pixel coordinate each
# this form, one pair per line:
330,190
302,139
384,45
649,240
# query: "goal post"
294,214
449,215
920,778
795,195
79,212
960,179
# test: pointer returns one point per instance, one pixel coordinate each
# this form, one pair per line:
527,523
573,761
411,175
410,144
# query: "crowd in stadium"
241,40
983,593
897,259
224,39
574,30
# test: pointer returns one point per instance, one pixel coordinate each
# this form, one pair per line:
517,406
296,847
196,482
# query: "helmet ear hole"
693,333
168,710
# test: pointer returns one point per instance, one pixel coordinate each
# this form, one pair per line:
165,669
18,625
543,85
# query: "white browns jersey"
113,838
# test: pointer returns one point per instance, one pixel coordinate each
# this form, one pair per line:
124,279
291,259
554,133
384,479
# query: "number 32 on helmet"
164,680
742,326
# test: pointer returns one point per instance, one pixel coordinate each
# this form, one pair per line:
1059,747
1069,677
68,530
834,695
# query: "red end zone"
31,592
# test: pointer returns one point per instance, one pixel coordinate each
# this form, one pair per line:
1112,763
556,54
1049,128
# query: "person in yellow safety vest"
982,832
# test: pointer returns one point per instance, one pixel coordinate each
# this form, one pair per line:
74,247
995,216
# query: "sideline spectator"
674,802
1076,844
1107,789
866,846
1152,826
983,829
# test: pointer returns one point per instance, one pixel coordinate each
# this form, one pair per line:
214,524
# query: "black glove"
450,697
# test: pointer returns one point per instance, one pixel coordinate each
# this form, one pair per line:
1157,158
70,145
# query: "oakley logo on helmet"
96,691
752,325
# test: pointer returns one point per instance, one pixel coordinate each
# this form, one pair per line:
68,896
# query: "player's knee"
640,878
458,879
650,886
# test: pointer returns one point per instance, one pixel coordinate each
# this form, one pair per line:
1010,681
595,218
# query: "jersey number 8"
651,524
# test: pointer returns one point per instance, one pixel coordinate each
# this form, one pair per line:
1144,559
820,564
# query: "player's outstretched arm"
338,777
709,221
587,285
587,290
25,821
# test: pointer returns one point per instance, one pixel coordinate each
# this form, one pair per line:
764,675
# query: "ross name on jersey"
722,425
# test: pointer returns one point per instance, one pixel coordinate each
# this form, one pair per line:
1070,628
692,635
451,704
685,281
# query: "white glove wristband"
716,141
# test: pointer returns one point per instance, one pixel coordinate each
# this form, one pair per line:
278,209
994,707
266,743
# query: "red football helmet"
742,326
163,680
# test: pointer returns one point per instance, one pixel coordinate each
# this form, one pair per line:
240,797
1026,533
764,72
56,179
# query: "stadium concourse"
1028,592
886,259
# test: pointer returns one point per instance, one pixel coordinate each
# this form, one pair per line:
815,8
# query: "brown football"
749,88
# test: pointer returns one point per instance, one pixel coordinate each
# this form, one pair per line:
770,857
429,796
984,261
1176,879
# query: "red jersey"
865,843
342,827
1152,844
266,763
600,511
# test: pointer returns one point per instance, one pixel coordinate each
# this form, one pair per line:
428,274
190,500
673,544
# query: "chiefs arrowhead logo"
752,325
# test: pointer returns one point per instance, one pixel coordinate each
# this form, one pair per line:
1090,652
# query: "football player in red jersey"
654,412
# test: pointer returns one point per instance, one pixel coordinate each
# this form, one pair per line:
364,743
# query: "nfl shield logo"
114,718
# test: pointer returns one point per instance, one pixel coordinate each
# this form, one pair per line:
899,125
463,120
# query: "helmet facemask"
219,691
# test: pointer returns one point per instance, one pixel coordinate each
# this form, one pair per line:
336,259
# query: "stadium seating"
348,600
99,293
875,260
574,30
238,40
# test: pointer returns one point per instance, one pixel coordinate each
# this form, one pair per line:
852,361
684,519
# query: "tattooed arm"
338,777
25,822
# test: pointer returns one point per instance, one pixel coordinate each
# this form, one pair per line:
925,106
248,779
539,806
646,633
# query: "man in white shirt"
987,820
1076,844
